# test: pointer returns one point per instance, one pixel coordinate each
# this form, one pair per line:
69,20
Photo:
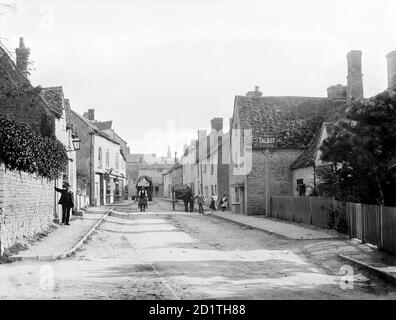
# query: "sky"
161,69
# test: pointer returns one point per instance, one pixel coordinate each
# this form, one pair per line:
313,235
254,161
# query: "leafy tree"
362,149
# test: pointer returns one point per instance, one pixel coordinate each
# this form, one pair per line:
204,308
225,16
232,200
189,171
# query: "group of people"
213,202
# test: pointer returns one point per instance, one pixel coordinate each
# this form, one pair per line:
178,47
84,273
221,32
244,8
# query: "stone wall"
26,206
280,177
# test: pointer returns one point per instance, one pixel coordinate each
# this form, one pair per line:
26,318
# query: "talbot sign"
264,141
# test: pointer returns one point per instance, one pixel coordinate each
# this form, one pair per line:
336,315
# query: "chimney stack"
391,57
217,124
254,94
22,58
91,114
355,76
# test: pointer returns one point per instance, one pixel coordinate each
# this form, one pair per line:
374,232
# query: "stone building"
65,133
172,178
140,164
189,161
293,121
101,160
28,203
206,161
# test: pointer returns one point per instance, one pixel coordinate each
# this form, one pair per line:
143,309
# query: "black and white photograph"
197,151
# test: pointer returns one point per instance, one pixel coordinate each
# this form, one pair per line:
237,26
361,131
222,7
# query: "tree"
362,149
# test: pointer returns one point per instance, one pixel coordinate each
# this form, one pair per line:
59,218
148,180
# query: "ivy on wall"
24,150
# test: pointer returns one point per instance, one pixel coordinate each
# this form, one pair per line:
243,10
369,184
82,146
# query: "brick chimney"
391,59
91,114
216,124
22,58
355,76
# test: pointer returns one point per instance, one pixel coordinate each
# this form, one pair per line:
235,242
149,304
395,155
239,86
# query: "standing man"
66,200
191,199
201,200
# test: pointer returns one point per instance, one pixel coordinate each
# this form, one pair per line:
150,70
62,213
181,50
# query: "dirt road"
161,254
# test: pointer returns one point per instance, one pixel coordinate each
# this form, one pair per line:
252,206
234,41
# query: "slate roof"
94,128
53,97
295,120
104,125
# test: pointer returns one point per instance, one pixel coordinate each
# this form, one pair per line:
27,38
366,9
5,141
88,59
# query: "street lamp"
76,144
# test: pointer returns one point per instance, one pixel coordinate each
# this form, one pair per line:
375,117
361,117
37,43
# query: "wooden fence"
373,224
309,210
369,223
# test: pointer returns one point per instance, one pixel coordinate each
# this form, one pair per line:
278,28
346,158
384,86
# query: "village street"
163,254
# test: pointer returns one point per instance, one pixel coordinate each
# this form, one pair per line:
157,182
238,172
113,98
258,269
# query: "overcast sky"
145,63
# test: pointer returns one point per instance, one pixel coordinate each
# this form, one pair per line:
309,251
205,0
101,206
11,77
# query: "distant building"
140,164
172,178
101,160
206,161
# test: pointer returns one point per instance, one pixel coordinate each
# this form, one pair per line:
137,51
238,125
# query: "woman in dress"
223,202
213,203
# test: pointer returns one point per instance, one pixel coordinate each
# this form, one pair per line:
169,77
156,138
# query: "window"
107,158
117,161
237,194
100,157
212,169
216,188
206,191
301,188
211,188
204,168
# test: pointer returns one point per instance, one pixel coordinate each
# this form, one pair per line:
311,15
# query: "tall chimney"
254,94
391,57
91,114
355,76
22,58
217,124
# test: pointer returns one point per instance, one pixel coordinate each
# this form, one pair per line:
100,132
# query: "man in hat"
66,200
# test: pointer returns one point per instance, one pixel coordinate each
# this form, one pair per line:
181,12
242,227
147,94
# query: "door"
101,188
242,199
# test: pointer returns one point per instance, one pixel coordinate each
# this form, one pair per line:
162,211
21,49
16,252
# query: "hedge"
24,150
